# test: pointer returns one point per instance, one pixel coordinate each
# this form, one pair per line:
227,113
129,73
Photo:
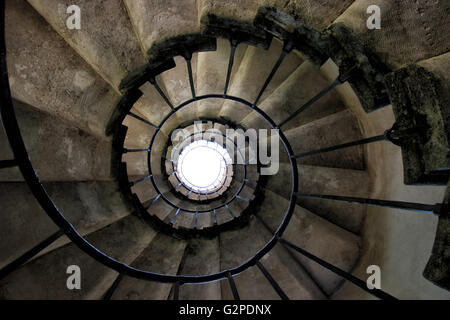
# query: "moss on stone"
416,102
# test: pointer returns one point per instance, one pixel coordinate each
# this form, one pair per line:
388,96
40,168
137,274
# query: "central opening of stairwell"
202,166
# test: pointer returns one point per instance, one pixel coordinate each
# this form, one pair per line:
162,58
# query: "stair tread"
89,206
113,51
163,255
253,71
314,234
179,16
252,282
77,93
212,69
46,276
326,180
317,135
202,257
58,150
302,85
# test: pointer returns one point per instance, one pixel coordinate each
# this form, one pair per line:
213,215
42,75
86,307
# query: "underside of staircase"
363,147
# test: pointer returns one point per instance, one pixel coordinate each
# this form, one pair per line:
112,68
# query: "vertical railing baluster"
188,59
234,44
153,201
14,265
348,276
233,287
342,146
176,290
161,92
402,205
272,281
196,220
339,80
215,217
108,295
133,183
229,210
142,119
172,221
4,164
287,48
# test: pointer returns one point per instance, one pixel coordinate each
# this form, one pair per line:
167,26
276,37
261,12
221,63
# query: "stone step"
231,9
178,89
139,134
253,71
155,21
161,209
45,72
212,69
416,43
338,128
302,85
323,180
202,257
314,234
106,39
89,206
315,14
58,150
46,277
163,255
238,246
154,109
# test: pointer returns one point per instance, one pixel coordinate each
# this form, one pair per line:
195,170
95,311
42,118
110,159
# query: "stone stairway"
66,85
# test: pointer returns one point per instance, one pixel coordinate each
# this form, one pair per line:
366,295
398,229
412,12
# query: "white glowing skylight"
202,166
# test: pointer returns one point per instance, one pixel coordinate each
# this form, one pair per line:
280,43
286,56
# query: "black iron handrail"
21,160
20,155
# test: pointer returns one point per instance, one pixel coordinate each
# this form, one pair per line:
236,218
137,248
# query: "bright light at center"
202,165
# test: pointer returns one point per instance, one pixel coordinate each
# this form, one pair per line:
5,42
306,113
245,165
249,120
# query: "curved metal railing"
22,161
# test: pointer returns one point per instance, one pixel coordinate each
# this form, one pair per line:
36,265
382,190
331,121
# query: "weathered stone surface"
410,31
419,106
157,20
323,180
251,283
161,209
318,14
58,150
317,135
308,41
202,258
303,84
139,134
112,51
163,255
88,206
212,68
253,71
45,72
337,42
242,10
46,276
314,234
176,82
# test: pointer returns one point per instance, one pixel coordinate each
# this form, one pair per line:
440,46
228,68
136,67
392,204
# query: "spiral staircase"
89,179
